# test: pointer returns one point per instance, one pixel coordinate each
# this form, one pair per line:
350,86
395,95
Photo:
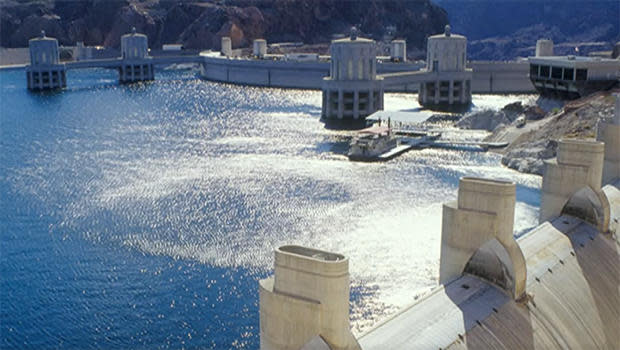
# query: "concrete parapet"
477,235
609,133
308,297
572,183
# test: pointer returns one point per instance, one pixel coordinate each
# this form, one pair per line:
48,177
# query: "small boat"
371,143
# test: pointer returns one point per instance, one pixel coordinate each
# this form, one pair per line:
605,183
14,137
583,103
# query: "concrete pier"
306,303
45,71
572,183
447,81
353,90
136,63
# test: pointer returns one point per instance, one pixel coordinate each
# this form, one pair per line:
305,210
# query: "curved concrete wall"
488,77
301,75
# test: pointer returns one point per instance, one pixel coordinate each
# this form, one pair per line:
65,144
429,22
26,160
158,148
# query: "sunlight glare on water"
141,214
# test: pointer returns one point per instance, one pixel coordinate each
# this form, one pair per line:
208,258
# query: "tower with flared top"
352,91
136,63
45,71
448,80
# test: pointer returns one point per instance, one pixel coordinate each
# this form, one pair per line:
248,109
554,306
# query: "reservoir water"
143,216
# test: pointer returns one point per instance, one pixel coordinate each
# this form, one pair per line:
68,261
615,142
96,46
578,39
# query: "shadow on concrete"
598,257
491,318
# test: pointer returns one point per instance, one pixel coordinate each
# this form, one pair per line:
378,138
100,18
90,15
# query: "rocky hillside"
537,140
201,24
502,30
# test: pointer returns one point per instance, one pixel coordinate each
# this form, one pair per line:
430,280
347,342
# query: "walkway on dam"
117,62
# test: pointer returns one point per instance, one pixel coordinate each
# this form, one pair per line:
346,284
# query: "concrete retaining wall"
501,77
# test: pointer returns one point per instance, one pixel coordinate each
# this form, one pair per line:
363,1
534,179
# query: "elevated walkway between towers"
117,62
573,300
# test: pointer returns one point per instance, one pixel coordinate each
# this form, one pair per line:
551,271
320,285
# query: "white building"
352,91
45,70
448,81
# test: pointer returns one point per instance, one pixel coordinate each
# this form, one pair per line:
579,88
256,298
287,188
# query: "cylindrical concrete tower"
544,47
398,51
352,91
45,71
448,81
446,52
137,64
226,48
259,48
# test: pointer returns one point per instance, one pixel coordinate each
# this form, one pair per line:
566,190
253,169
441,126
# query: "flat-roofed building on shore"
572,76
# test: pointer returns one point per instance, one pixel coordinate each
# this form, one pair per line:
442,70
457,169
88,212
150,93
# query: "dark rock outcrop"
503,30
201,24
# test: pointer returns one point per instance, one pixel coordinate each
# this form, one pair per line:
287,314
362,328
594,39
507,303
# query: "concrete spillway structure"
571,297
306,303
477,235
609,133
447,81
572,183
136,63
352,91
45,71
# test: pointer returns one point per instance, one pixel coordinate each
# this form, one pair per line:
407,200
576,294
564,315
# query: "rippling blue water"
143,216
